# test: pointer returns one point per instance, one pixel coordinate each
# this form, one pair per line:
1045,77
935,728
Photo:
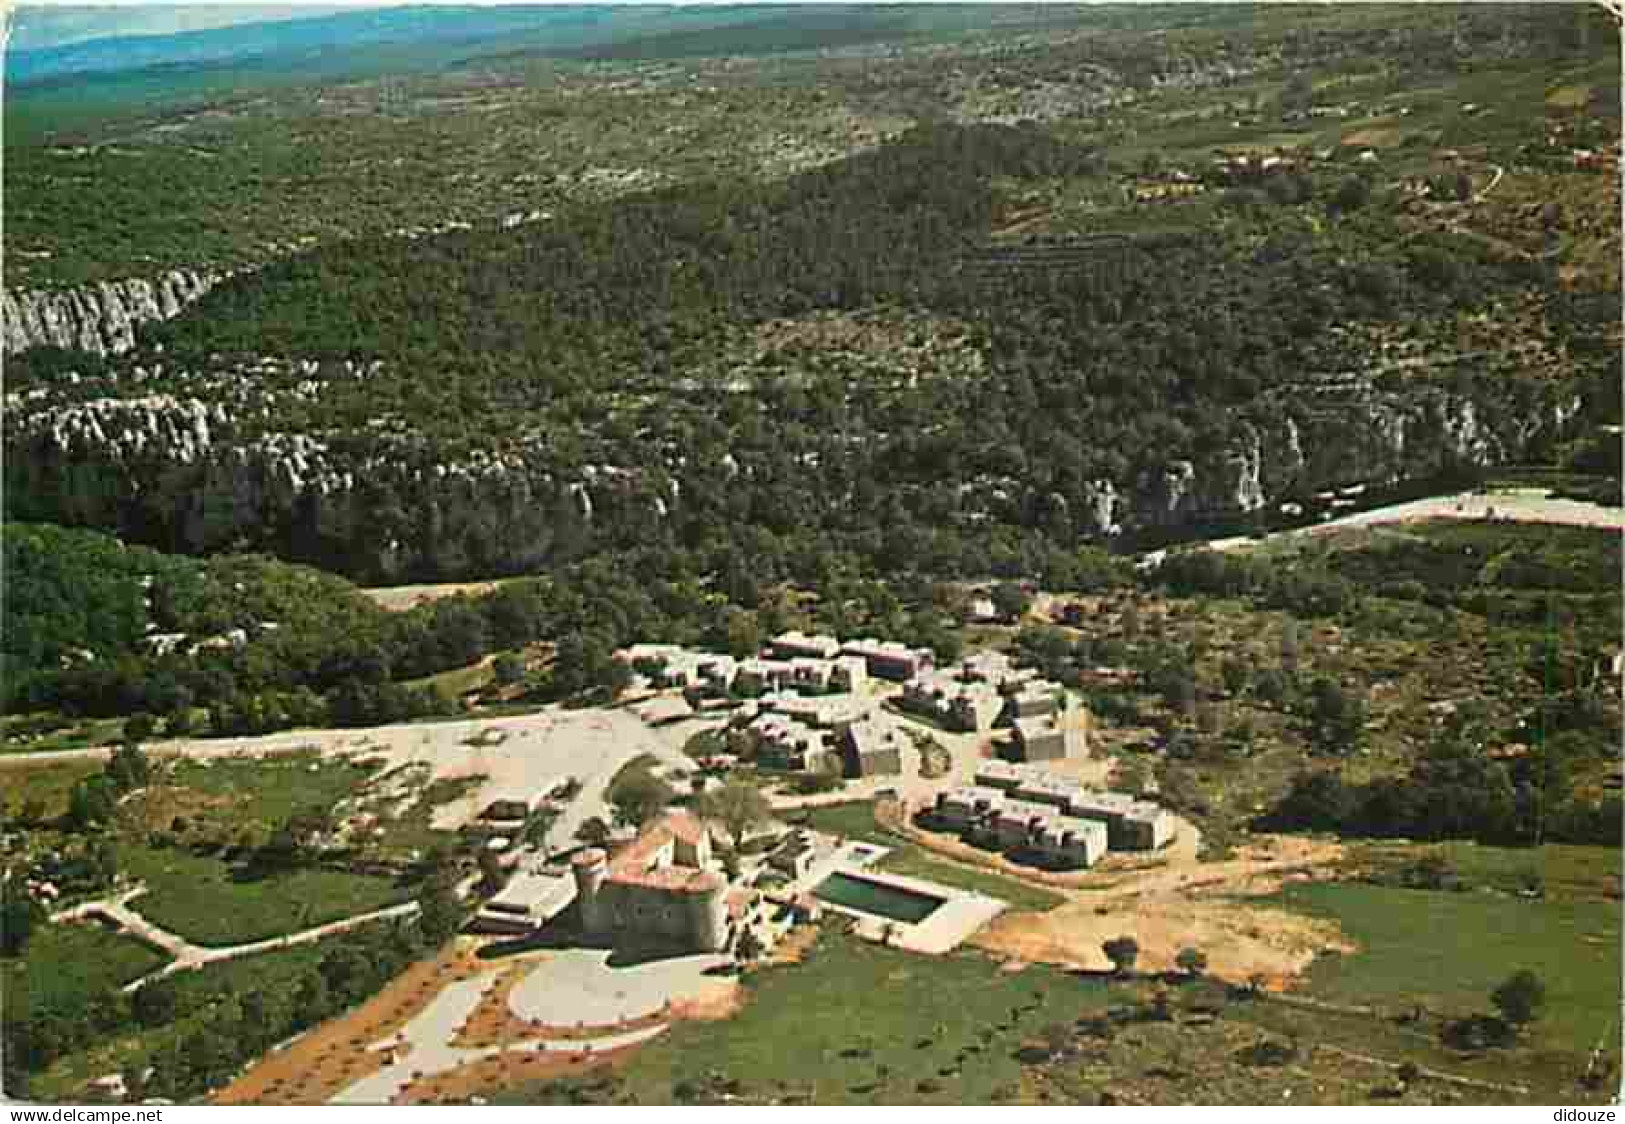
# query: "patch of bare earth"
1199,906
316,1066
461,1085
400,598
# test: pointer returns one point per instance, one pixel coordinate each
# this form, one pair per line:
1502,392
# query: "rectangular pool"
882,899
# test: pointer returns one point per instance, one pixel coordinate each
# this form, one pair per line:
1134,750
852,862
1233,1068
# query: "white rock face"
102,318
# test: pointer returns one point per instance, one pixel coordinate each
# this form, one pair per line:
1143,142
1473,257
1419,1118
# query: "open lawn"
46,783
206,901
1567,874
856,820
856,1023
66,965
71,734
269,790
1447,951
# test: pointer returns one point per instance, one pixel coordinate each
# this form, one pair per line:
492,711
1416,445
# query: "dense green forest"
614,346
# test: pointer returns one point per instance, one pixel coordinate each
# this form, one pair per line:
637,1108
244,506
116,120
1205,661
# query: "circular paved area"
579,986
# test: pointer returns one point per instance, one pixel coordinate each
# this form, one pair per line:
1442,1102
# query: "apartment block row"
1021,808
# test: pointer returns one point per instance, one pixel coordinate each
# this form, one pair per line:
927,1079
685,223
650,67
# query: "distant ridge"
542,29
38,26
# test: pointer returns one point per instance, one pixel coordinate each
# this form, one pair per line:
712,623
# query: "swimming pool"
880,898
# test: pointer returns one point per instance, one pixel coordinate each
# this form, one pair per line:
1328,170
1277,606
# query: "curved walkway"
420,1049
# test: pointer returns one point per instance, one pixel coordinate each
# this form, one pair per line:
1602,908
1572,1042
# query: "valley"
831,554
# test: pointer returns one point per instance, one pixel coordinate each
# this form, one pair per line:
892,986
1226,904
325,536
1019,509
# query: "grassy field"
1568,874
855,820
74,734
65,965
1448,951
47,782
857,1023
199,897
269,790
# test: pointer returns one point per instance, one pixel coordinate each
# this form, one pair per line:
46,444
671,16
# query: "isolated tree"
509,669
594,832
1123,952
128,767
1337,715
440,914
19,915
1058,1039
492,875
138,728
1352,194
153,1004
90,803
638,797
1191,961
738,806
743,633
1520,998
1010,600
749,947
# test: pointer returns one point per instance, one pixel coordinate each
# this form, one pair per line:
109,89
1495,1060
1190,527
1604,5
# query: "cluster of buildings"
840,736
1028,811
987,692
792,661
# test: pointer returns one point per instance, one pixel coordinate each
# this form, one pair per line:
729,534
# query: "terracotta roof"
632,865
680,879
685,827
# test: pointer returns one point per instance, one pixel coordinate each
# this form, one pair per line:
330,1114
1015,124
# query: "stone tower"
589,868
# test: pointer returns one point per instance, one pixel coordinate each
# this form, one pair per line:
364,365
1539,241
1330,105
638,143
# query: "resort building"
658,887
757,676
849,674
963,808
965,707
531,899
1131,825
887,659
871,749
779,741
828,712
1049,738
1031,700
795,645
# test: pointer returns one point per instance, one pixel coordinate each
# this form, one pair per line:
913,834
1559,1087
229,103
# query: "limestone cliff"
1340,434
222,465
100,319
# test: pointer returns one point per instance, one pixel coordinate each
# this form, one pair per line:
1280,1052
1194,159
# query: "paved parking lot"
579,986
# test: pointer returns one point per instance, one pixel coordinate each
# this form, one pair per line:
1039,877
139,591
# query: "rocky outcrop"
1346,433
182,474
101,319
214,463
